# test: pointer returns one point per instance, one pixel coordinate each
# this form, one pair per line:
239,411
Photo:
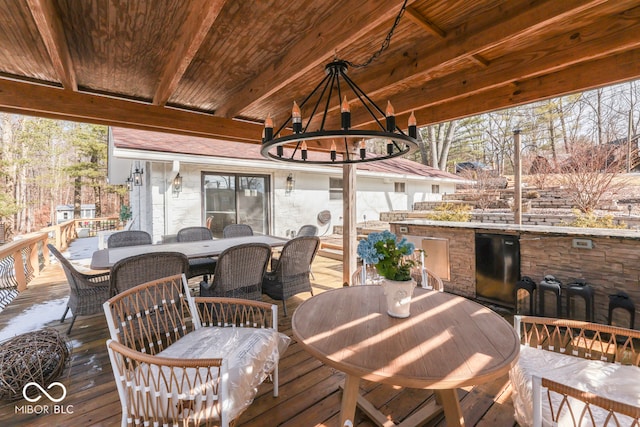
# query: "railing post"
33,260
58,236
45,252
18,266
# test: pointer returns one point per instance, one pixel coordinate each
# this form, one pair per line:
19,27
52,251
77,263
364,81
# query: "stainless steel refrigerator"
497,268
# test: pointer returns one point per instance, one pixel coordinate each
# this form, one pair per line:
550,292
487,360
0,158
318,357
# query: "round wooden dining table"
447,342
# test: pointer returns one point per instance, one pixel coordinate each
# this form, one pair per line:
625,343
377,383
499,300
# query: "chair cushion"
611,380
251,354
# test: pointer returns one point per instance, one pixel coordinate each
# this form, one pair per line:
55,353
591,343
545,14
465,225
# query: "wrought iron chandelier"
347,145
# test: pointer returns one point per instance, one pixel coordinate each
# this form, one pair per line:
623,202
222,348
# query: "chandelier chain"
385,43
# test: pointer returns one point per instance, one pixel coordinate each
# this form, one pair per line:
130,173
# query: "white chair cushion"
251,354
610,380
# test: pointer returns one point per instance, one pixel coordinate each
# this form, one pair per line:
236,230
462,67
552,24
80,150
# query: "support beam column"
349,233
517,174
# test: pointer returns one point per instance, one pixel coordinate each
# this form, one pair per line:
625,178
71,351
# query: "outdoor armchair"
138,269
239,272
198,266
194,234
237,230
290,274
307,230
173,365
129,238
87,291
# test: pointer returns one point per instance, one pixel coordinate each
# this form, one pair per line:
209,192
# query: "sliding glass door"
236,199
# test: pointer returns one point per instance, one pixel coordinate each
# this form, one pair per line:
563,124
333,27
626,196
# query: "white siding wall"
302,205
171,212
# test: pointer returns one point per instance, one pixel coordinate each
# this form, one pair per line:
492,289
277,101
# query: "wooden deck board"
310,392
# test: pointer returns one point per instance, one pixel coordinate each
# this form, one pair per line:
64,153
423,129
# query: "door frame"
236,175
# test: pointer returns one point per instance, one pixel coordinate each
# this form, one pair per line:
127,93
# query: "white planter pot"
398,295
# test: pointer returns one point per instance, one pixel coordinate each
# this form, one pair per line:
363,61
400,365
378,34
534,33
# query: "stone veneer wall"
462,262
505,218
611,265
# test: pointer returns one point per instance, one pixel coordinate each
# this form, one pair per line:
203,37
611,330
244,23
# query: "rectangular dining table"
104,259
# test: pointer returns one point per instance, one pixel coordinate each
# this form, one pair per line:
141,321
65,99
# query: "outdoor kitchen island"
607,259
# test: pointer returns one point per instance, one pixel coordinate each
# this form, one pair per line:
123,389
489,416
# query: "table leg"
452,412
349,398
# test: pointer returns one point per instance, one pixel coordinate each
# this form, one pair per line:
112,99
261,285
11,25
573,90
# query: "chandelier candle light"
347,145
344,144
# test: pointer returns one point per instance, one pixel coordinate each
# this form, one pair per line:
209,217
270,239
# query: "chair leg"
284,306
311,272
64,315
275,381
73,319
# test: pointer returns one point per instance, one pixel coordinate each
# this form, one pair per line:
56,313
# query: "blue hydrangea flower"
388,254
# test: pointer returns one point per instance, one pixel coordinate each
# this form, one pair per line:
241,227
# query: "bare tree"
538,170
485,189
570,113
438,138
590,175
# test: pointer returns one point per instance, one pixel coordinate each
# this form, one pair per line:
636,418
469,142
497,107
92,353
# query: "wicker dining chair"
87,291
290,275
156,387
237,230
421,273
198,266
307,230
129,238
239,272
138,269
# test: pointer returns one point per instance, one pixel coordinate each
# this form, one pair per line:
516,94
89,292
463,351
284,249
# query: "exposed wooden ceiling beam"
584,76
425,23
195,29
354,19
469,43
400,68
560,52
46,101
47,20
480,60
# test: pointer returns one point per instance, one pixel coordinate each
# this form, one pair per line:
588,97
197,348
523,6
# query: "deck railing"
24,258
93,225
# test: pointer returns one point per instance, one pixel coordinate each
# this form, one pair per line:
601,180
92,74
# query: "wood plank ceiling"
216,68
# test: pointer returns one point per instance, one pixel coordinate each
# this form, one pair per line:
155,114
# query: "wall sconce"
290,184
177,183
137,175
129,183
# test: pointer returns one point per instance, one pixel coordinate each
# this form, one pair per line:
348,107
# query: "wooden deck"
309,391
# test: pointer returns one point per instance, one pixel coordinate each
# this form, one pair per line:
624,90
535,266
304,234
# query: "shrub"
125,213
533,194
451,212
591,220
